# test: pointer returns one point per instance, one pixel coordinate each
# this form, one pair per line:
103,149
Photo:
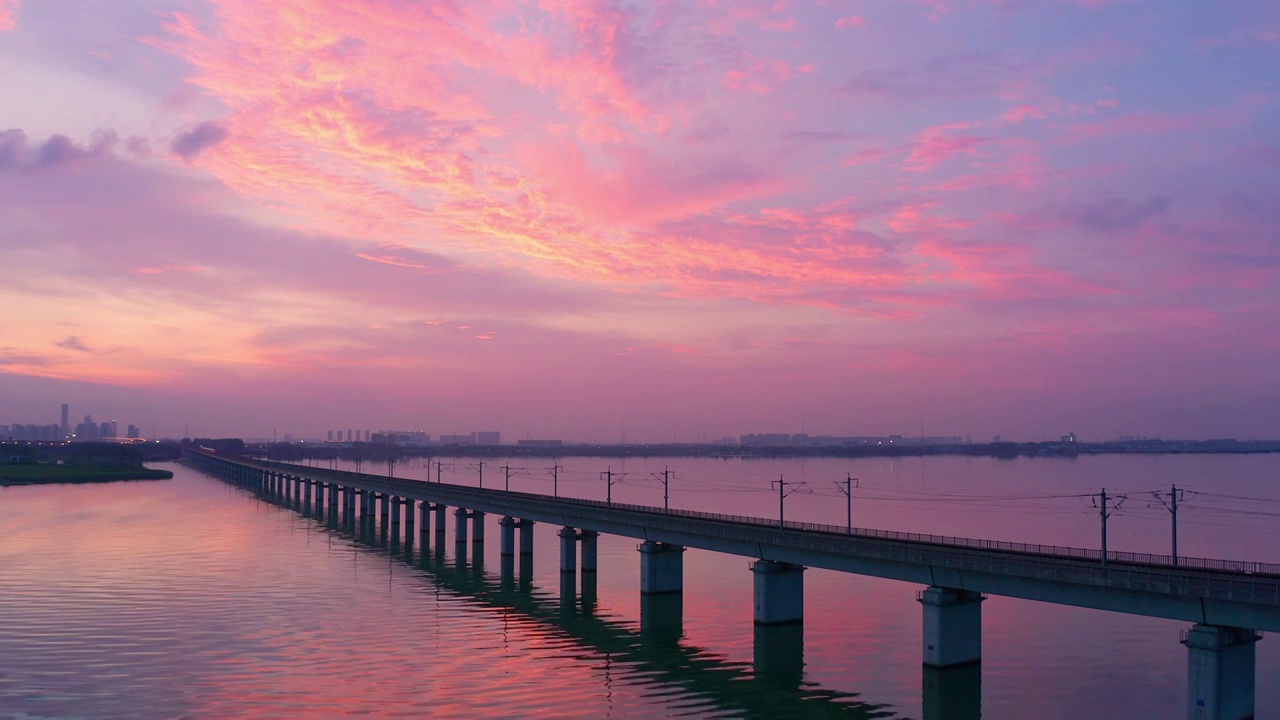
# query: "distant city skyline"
68,429
622,434
692,219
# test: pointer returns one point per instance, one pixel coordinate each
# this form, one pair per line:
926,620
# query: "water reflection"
773,686
779,655
953,693
662,617
590,592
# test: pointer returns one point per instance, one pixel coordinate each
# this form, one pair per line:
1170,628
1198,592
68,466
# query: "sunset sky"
689,218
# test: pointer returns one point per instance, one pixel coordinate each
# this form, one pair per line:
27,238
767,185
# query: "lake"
193,598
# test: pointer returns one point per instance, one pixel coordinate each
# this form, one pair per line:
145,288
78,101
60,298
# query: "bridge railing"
1183,563
1056,551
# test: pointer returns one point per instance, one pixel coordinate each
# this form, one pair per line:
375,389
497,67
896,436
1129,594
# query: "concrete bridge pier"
952,626
381,502
333,500
507,529
526,536
460,526
409,519
286,489
477,527
589,540
661,568
1220,672
441,515
779,592
306,496
361,516
396,507
568,550
424,514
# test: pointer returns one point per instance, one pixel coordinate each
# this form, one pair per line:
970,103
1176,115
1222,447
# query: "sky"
664,219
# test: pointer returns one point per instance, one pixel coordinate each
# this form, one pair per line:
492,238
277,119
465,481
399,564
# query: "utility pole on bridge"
480,467
1106,506
608,475
506,469
782,486
1174,495
665,477
847,487
555,479
440,466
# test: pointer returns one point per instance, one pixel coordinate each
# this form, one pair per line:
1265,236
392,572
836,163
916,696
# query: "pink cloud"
362,194
9,14
1022,112
760,75
853,21
786,25
866,155
936,145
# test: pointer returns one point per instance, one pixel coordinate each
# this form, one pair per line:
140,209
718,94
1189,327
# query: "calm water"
192,598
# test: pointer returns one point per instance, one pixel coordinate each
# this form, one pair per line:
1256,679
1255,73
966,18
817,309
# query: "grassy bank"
76,473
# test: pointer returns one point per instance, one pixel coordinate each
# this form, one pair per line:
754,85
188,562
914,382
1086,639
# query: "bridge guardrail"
1239,566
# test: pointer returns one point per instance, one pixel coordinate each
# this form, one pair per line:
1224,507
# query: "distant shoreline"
1010,450
51,474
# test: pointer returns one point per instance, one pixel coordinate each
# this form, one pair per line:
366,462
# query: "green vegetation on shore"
47,473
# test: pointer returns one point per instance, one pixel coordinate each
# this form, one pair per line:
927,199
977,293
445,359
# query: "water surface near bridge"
192,598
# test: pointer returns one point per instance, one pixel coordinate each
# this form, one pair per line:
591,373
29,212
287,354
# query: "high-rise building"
64,428
330,436
87,430
492,437
134,433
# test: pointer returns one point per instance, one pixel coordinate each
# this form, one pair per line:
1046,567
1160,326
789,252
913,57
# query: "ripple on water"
194,599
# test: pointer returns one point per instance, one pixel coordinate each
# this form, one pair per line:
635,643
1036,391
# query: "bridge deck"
1213,592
